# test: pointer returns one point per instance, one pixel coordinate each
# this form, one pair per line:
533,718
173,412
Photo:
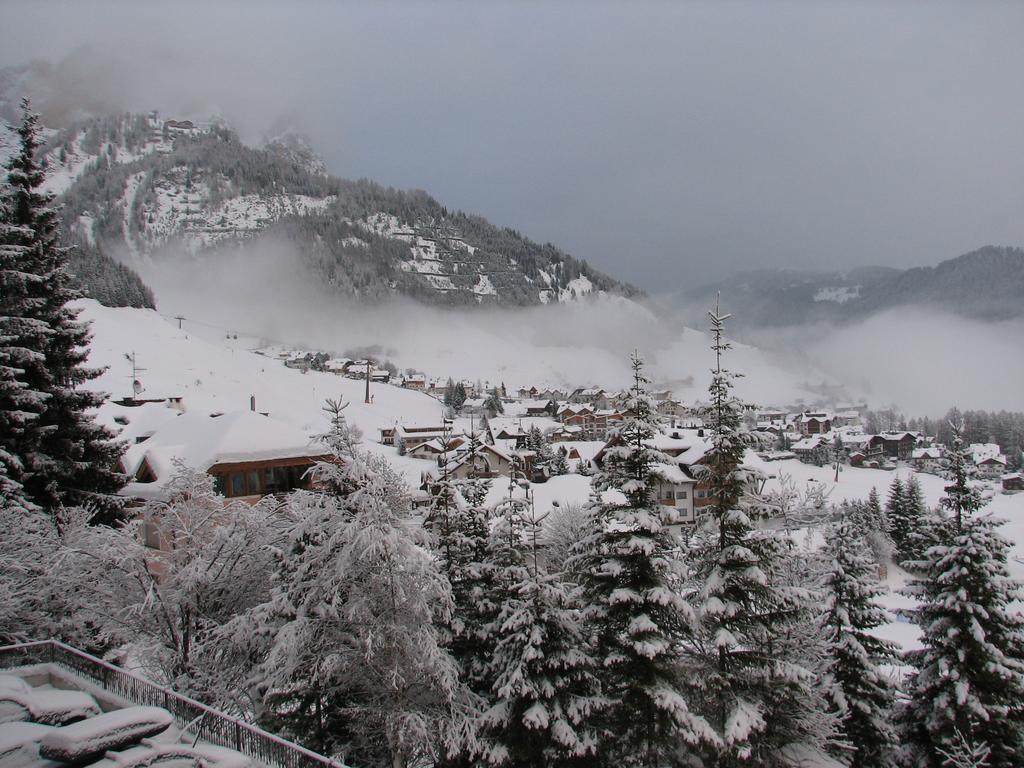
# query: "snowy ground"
214,374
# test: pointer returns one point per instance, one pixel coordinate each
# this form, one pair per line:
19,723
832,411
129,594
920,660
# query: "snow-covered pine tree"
875,511
969,679
859,693
22,336
751,689
493,404
356,667
921,520
559,464
897,513
73,460
458,524
631,600
544,690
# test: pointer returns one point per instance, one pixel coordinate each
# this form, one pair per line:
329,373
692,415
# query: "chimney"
252,403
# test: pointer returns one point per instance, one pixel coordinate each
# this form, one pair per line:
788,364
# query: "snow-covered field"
217,374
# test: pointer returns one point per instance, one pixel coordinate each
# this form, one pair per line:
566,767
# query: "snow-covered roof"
982,451
808,443
201,441
132,423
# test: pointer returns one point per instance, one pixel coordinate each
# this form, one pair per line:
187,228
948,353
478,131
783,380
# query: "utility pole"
179,318
367,381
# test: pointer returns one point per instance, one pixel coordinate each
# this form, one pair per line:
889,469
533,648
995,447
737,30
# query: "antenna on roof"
137,388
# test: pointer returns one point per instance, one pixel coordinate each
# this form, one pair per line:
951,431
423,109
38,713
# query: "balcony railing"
214,726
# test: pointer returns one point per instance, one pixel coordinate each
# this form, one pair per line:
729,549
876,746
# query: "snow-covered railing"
213,726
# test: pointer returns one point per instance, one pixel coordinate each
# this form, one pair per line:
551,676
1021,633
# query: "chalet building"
338,365
417,381
387,436
528,394
405,437
594,423
432,449
249,455
596,398
688,453
814,422
899,445
991,467
773,416
1013,482
813,450
929,459
670,408
486,462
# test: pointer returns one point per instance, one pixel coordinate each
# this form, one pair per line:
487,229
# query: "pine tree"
356,665
70,459
458,397
631,599
756,695
22,335
458,524
493,404
859,693
875,511
969,679
544,687
897,513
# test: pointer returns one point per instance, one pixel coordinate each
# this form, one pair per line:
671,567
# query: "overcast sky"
668,144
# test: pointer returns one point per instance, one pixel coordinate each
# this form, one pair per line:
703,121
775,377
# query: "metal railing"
217,727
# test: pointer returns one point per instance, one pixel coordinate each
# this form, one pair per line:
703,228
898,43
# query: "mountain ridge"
985,284
148,188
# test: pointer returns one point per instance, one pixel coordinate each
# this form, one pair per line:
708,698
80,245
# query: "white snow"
839,295
94,736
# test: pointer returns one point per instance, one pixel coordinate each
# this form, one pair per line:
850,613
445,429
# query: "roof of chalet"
809,443
200,441
982,451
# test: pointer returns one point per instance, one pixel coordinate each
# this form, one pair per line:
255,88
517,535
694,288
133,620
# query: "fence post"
238,737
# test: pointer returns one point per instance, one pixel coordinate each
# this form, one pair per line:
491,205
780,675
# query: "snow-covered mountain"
150,188
985,284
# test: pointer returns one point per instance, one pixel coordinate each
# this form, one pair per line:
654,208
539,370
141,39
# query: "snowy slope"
218,378
215,374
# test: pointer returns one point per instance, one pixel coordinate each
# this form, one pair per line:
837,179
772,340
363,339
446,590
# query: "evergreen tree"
969,682
355,665
458,397
875,511
559,465
544,688
22,336
859,693
631,602
70,459
449,392
458,524
901,525
755,694
493,404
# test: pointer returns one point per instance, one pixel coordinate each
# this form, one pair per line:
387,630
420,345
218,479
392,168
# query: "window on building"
681,494
219,485
253,482
237,484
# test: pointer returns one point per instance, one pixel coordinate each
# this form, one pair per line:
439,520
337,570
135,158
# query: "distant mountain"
986,284
145,187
